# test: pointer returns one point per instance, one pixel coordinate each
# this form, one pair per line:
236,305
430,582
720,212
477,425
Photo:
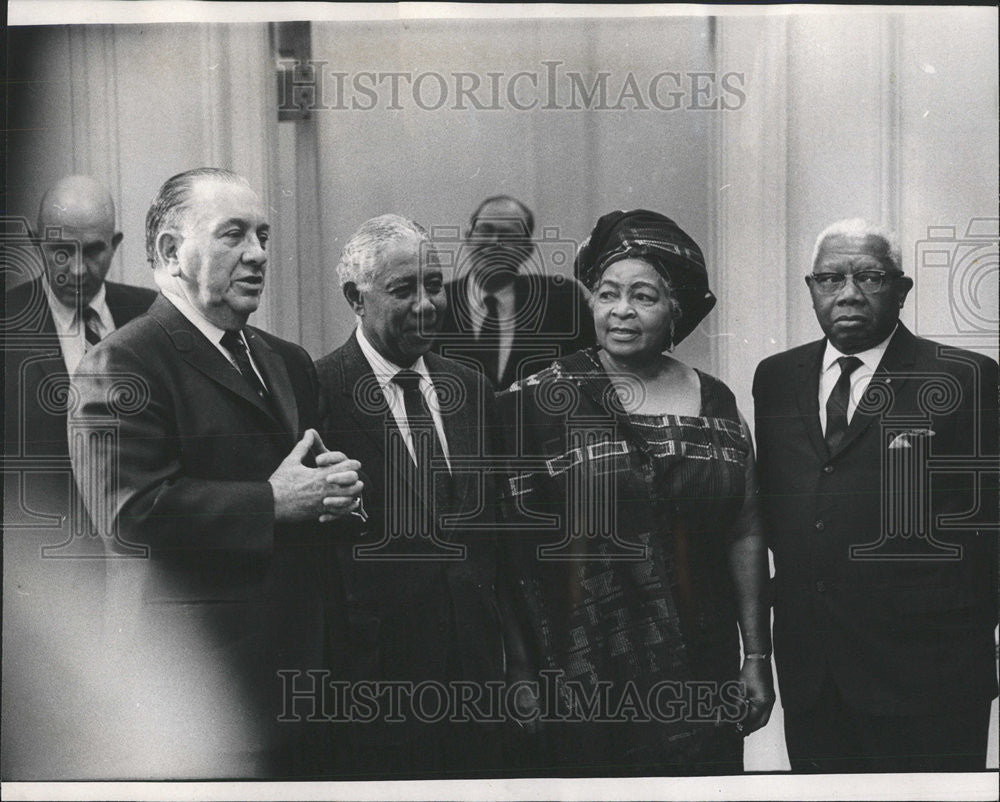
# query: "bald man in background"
53,566
506,316
66,310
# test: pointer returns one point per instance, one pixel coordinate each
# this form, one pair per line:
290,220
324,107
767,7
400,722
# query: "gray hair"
859,227
172,201
362,255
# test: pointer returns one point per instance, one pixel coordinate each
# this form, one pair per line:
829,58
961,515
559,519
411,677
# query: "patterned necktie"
489,336
233,342
91,326
836,405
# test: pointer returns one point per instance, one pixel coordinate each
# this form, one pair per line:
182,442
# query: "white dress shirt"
506,314
211,331
71,331
860,378
384,371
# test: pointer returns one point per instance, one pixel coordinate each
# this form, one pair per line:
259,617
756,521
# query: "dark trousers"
833,737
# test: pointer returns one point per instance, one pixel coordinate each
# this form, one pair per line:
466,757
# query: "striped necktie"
91,326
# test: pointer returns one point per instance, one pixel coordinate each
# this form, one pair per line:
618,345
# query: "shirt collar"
383,369
198,320
65,316
870,358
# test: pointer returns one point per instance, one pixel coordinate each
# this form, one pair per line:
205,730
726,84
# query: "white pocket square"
902,440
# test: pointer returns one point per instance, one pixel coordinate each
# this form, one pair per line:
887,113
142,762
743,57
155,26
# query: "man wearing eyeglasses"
877,455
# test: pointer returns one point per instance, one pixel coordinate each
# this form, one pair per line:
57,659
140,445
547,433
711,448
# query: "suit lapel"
43,341
459,427
894,369
276,378
116,308
202,355
807,394
361,396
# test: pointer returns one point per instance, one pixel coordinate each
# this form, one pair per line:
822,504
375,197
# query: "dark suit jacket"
413,618
34,429
52,607
195,447
905,628
553,320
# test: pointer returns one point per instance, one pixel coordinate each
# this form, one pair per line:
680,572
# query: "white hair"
859,227
362,255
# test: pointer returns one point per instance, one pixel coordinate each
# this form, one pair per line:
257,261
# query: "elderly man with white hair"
421,605
877,456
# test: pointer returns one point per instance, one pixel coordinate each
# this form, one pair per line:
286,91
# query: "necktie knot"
234,344
848,364
491,320
408,381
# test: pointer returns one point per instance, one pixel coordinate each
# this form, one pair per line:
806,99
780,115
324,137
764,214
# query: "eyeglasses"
869,282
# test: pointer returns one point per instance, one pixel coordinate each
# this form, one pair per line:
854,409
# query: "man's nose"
849,293
423,304
76,263
255,253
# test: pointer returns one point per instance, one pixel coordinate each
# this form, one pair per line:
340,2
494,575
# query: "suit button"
827,469
820,586
820,526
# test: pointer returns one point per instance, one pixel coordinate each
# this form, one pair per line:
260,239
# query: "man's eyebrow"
232,221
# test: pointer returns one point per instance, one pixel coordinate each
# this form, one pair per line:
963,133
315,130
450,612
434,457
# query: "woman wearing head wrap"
637,560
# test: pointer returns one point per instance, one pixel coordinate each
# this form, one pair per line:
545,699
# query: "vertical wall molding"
213,69
95,120
79,121
747,201
890,133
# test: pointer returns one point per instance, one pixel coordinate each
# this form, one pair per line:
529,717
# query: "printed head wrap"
658,240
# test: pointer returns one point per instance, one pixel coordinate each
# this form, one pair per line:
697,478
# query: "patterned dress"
619,575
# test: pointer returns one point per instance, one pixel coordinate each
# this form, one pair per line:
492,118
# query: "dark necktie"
836,405
91,326
425,496
418,415
233,343
489,336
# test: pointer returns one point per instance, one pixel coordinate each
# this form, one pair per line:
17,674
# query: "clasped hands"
326,492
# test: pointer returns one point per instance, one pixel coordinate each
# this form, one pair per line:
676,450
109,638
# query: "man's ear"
167,245
903,286
116,240
354,298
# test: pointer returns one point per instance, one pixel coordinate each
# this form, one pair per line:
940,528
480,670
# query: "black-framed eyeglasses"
869,282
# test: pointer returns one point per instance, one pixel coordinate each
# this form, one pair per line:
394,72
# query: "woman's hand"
758,689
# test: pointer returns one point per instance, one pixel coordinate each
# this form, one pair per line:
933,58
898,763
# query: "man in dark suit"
505,316
198,446
52,320
877,454
420,589
53,574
